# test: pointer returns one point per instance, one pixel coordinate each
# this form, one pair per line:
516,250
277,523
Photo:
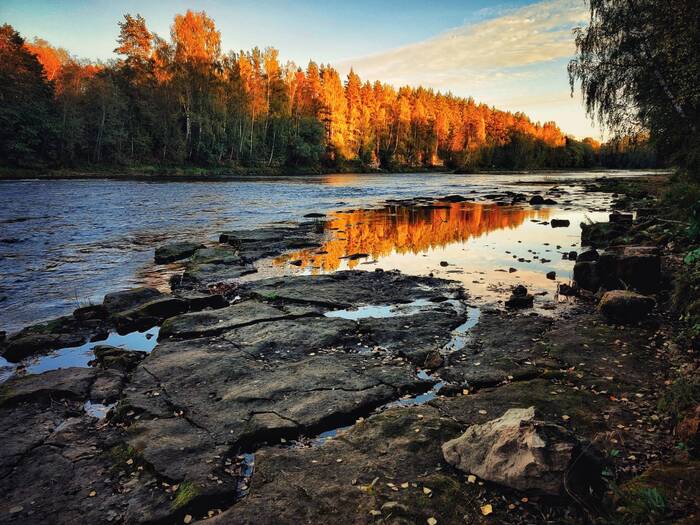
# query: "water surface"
65,243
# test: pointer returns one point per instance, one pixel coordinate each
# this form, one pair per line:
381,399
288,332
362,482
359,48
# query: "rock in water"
624,306
176,251
520,298
560,223
516,450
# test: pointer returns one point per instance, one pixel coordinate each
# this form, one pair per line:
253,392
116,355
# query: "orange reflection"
407,229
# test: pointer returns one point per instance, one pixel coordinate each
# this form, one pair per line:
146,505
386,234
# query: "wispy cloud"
498,60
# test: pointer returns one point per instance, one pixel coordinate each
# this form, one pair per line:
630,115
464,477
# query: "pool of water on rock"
80,356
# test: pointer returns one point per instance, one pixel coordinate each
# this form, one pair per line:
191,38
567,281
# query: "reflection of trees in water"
403,229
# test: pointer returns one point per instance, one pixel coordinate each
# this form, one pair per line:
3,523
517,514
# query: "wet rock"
23,346
314,215
517,450
551,275
116,302
560,223
536,200
624,306
149,314
572,255
519,298
111,357
176,251
444,263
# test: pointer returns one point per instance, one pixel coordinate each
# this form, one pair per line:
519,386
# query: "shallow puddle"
382,311
80,356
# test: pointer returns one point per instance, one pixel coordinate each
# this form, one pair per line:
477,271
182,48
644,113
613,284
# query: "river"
65,243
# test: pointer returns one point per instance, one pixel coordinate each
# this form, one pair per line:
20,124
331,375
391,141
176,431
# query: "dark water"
65,243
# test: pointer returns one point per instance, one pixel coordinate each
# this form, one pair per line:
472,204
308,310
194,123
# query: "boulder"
517,450
128,299
551,275
586,275
176,251
536,200
560,223
519,298
639,269
624,306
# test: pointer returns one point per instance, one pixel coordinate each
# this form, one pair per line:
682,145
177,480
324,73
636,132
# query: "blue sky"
510,54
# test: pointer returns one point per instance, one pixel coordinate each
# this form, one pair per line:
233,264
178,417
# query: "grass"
683,394
186,492
642,504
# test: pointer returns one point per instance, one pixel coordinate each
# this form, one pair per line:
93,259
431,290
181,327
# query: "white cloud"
499,61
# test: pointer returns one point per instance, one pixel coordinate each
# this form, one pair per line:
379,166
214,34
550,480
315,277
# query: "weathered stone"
176,251
129,299
560,223
433,360
520,298
624,306
551,275
72,383
149,314
214,322
516,450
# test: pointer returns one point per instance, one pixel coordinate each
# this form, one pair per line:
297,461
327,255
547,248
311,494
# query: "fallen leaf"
187,519
92,494
427,491
471,478
486,509
432,521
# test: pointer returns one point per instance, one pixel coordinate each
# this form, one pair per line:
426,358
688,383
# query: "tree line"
182,101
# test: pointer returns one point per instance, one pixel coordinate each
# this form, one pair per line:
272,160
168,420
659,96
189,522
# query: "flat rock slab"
176,251
353,288
213,322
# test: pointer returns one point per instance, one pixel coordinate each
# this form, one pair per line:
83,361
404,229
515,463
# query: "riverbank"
332,398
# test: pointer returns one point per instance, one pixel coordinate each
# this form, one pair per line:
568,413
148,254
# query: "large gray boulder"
516,450
129,299
624,306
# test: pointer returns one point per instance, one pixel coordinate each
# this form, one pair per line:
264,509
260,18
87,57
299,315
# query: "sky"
509,54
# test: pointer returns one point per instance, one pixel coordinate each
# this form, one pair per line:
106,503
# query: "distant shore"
189,173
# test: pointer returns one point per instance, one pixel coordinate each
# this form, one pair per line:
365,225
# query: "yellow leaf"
486,509
432,521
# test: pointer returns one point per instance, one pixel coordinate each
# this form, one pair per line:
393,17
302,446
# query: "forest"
184,102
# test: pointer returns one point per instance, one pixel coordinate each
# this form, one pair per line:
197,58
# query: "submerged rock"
517,450
624,306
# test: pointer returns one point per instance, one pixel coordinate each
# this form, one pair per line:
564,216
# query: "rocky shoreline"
357,397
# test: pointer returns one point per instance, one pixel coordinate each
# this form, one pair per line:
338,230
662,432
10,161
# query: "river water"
65,243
